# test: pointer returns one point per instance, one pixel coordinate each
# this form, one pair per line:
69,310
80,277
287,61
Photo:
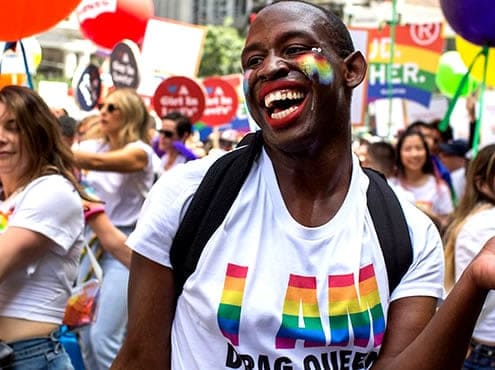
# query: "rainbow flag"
417,50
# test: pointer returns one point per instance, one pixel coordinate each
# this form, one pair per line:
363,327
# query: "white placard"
170,48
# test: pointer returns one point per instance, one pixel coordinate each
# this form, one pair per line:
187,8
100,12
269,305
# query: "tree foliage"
222,51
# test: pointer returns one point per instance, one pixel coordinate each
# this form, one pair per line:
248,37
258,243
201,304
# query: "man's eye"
296,49
254,61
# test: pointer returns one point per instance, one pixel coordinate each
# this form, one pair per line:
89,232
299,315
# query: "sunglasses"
110,107
166,133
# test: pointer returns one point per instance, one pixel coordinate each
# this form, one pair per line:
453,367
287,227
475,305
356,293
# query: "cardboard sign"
172,48
124,64
221,102
88,88
180,94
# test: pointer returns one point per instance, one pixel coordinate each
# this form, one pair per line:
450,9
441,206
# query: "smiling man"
294,277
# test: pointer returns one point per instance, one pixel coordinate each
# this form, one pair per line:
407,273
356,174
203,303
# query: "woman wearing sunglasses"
118,167
41,231
176,129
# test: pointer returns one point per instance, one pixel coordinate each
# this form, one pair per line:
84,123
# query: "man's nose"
273,67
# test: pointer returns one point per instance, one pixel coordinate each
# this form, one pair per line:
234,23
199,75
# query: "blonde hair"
481,171
135,116
89,128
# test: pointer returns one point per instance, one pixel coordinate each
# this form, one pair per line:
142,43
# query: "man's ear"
356,69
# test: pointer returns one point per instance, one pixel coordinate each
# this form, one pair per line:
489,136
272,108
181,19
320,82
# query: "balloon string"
26,66
391,63
477,127
446,120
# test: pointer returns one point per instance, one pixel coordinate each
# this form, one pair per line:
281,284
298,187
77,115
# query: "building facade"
205,11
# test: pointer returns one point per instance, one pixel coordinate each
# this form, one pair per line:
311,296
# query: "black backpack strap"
391,227
211,202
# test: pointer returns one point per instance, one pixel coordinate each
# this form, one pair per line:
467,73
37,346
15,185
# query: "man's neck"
314,189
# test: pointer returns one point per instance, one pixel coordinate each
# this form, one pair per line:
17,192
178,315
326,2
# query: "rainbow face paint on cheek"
315,65
245,82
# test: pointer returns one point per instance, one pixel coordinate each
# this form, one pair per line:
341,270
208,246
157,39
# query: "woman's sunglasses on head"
110,107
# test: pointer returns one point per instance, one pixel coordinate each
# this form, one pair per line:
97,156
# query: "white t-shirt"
50,206
123,193
163,161
433,194
273,293
478,228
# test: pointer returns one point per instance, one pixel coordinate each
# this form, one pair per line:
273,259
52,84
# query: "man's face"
12,161
168,134
433,138
292,78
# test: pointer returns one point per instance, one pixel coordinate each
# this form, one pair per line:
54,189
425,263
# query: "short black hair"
383,154
183,123
417,125
338,33
447,134
67,126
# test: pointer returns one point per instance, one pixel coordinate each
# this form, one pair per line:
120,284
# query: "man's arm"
151,311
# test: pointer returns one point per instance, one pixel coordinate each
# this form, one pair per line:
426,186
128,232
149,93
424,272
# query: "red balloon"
107,22
23,18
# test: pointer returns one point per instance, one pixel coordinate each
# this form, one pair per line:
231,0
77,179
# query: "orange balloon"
22,18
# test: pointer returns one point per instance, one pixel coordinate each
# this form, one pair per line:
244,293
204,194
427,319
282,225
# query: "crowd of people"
292,275
424,166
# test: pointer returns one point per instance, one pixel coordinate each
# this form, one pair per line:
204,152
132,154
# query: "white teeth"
281,95
284,113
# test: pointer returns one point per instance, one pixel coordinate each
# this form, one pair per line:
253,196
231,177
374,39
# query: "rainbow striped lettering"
364,310
301,316
229,311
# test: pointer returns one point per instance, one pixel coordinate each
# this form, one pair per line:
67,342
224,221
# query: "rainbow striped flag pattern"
229,310
416,52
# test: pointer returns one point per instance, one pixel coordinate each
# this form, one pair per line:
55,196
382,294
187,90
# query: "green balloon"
451,69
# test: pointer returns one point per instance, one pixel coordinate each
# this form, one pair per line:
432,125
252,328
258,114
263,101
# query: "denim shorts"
43,353
481,357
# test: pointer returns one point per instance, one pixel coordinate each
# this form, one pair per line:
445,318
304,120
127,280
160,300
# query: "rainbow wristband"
92,210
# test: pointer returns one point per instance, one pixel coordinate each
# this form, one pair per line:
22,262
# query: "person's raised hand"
483,266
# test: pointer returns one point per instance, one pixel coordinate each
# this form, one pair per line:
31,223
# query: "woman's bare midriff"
12,329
